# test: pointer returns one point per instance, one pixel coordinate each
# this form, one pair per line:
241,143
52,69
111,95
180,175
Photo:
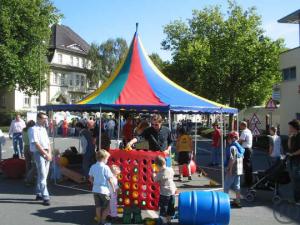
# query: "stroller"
270,179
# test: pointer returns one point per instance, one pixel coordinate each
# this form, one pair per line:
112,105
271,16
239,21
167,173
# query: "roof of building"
64,38
291,18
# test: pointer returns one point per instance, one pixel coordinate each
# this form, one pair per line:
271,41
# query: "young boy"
184,147
100,176
234,167
167,190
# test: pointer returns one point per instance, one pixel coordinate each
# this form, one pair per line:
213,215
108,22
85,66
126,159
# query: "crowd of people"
32,142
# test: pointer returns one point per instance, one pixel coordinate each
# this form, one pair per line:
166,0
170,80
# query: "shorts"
166,205
184,158
101,200
232,182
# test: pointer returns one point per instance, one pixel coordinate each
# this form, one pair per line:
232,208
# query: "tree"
158,62
112,53
226,58
24,37
94,73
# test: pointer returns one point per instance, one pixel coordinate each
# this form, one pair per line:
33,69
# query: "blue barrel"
203,208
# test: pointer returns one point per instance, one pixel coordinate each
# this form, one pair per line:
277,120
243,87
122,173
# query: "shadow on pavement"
68,214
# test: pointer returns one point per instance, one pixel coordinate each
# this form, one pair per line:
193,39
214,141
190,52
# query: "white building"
67,80
290,86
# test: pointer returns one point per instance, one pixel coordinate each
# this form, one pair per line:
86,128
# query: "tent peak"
136,27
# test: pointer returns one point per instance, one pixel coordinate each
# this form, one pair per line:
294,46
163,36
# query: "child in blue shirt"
101,177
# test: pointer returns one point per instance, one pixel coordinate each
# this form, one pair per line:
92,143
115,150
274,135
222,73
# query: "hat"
233,134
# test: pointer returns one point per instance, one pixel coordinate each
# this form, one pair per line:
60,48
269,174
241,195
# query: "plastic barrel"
204,208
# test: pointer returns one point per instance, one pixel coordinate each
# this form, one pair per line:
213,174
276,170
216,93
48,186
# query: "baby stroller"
269,179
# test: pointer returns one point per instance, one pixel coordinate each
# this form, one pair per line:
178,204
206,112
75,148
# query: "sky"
99,20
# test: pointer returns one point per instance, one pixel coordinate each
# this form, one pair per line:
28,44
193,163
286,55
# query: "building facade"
289,63
67,79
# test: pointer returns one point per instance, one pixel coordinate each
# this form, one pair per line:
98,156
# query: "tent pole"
222,148
100,130
119,126
53,145
195,151
169,118
237,122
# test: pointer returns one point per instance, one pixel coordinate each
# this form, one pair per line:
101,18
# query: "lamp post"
40,73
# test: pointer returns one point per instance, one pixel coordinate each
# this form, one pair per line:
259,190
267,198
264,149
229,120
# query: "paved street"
76,207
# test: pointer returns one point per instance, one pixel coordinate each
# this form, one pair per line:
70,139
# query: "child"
55,167
184,147
234,166
100,176
114,195
167,190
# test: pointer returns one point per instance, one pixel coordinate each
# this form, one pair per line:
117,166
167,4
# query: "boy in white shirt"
101,177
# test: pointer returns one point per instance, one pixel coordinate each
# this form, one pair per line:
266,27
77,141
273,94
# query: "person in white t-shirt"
101,178
15,132
275,147
245,140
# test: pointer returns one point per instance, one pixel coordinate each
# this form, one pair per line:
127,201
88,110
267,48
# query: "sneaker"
38,198
46,202
190,178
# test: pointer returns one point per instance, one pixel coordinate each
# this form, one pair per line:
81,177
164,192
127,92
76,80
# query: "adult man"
40,146
158,136
294,161
15,132
216,143
111,128
246,142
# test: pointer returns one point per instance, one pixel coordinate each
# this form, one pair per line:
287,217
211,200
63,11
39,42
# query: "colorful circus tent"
137,84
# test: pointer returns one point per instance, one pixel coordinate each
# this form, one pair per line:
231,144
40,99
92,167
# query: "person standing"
184,147
294,161
40,146
15,132
88,148
275,145
2,142
30,167
158,136
111,128
246,142
233,167
216,144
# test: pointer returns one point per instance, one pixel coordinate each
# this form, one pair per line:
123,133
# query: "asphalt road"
76,207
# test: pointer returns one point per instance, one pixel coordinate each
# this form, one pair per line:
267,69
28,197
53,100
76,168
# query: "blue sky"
98,20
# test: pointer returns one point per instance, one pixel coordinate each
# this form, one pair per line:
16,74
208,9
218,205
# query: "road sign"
255,131
254,120
271,105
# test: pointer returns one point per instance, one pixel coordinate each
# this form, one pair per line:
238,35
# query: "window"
71,81
77,61
26,101
72,60
37,100
2,101
82,81
77,80
55,78
59,58
289,73
63,79
298,116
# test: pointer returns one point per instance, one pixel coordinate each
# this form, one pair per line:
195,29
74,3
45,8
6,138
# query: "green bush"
7,117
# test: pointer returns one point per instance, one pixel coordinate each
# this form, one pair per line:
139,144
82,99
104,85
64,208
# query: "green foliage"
24,37
7,116
226,58
105,58
158,62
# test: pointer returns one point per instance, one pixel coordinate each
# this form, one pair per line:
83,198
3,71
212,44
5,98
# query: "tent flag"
137,82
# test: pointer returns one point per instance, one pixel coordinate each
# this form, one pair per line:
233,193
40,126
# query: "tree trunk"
232,104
